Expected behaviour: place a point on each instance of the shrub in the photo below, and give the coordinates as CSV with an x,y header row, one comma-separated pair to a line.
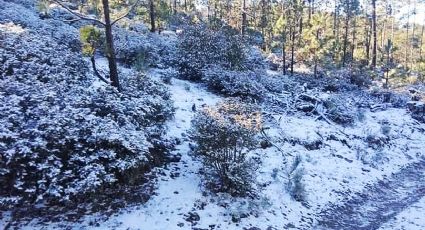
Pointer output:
x,y
133,48
339,110
26,16
200,47
59,137
245,84
224,135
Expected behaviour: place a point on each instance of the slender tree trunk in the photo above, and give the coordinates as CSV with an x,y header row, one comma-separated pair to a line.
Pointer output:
x,y
175,7
315,59
347,22
152,15
284,58
244,22
367,38
335,19
336,30
292,50
310,10
413,34
110,50
353,45
301,23
422,41
387,69
374,49
406,55
284,42
383,35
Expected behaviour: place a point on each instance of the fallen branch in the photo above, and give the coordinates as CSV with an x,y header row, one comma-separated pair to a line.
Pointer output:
x,y
273,144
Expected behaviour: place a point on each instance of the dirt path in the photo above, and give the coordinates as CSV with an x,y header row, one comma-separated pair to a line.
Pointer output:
x,y
378,203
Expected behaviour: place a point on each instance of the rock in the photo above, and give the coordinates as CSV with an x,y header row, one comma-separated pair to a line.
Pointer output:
x,y
380,107
417,110
253,228
192,217
305,107
236,218
265,144
174,157
314,145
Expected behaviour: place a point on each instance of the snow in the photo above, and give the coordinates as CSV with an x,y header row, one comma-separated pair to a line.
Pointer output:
x,y
337,161
410,219
333,172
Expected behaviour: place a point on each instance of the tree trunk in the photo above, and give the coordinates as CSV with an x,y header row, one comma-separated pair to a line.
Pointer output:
x,y
301,14
110,50
383,36
175,7
244,23
387,69
284,41
284,58
406,56
422,41
152,15
413,34
368,38
353,45
336,30
292,49
347,22
374,49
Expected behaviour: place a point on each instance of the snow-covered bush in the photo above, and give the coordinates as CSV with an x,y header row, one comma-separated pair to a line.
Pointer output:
x,y
62,135
133,48
200,47
28,18
245,84
340,111
167,74
254,59
224,134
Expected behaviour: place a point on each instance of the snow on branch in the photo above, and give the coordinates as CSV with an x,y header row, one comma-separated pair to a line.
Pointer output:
x,y
81,16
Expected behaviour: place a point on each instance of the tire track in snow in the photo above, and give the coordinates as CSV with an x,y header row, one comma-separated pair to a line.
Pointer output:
x,y
378,203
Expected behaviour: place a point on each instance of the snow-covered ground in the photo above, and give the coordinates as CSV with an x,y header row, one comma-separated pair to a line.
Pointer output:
x,y
341,164
412,218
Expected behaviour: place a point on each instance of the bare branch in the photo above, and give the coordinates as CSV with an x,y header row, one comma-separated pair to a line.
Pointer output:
x,y
84,17
71,20
96,72
126,13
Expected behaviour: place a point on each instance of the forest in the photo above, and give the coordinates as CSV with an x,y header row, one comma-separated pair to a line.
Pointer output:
x,y
212,114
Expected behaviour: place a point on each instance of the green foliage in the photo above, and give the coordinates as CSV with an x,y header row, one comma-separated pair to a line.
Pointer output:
x,y
91,38
163,13
43,6
317,45
224,135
